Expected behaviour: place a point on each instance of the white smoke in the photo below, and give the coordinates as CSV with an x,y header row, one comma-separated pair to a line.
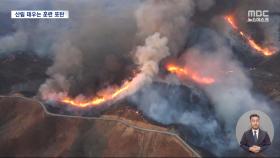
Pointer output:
x,y
57,86
170,18
148,58
47,92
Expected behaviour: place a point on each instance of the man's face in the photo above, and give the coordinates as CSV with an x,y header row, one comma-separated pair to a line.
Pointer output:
x,y
255,122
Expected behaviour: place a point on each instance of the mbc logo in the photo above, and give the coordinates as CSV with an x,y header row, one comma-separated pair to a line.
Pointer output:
x,y
258,15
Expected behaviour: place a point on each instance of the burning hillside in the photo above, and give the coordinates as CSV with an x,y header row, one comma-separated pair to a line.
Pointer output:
x,y
181,63
111,94
188,73
266,51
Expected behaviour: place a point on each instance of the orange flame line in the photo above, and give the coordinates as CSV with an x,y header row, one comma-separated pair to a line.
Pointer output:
x,y
96,100
263,50
230,20
99,100
185,72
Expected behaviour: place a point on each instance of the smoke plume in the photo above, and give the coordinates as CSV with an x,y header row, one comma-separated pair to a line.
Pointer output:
x,y
101,45
169,18
230,96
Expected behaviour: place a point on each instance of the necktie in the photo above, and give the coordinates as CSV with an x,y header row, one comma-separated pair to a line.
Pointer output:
x,y
255,136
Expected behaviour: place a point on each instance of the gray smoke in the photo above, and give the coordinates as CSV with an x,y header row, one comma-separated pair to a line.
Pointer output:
x,y
230,96
169,104
14,42
93,34
95,49
28,35
147,58
170,18
98,57
264,33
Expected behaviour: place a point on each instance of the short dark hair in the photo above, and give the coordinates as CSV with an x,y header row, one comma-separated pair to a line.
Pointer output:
x,y
254,115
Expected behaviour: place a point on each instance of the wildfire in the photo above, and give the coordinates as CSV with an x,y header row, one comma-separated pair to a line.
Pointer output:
x,y
98,99
263,50
112,93
94,101
186,72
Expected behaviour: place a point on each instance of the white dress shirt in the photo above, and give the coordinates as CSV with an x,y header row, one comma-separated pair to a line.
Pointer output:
x,y
257,132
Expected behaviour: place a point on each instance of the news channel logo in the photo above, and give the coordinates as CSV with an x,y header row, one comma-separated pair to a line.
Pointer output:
x,y
39,14
258,16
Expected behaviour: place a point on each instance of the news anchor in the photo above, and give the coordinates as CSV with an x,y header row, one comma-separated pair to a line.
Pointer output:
x,y
255,140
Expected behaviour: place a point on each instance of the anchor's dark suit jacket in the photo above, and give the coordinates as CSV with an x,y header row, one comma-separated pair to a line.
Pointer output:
x,y
248,140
